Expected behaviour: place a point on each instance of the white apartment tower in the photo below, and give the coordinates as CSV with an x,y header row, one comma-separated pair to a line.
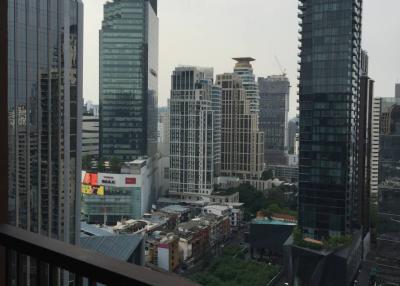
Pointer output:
x,y
242,144
195,107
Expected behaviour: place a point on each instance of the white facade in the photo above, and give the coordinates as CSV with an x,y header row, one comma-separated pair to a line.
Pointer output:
x,y
376,113
90,135
193,158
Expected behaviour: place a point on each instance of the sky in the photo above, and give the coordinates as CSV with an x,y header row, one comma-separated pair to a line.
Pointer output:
x,y
210,33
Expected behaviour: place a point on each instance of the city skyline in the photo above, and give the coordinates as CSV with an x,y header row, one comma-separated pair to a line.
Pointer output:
x,y
284,45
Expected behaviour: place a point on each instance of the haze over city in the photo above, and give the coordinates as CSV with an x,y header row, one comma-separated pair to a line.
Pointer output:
x,y
210,32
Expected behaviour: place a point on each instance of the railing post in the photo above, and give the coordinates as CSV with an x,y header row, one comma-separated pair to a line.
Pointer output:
x,y
3,132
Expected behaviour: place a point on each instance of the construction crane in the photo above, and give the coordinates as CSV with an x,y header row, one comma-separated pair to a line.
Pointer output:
x,y
283,71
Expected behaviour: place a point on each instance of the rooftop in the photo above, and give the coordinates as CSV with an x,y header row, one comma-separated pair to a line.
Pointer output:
x,y
175,209
272,221
116,246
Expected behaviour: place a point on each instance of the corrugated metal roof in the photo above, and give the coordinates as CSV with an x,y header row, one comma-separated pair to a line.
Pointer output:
x,y
117,246
93,230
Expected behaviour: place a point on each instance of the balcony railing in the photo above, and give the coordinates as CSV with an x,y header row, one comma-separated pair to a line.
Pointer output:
x,y
87,267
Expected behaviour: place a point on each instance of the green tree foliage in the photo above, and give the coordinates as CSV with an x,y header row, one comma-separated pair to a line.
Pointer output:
x,y
86,162
115,165
101,165
267,175
230,271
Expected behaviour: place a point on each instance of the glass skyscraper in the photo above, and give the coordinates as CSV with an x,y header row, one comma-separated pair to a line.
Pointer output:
x,y
274,108
329,102
44,95
44,116
128,79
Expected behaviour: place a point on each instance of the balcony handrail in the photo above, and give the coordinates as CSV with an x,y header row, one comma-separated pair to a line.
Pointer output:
x,y
85,263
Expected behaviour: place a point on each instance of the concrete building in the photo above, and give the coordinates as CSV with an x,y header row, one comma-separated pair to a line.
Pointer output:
x,y
194,123
274,109
286,173
128,79
397,90
90,135
376,115
242,151
162,250
244,69
235,214
108,197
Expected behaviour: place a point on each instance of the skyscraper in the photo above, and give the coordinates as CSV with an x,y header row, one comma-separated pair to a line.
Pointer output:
x,y
397,90
242,144
274,109
44,116
329,102
244,69
195,107
128,79
364,145
293,130
388,225
44,94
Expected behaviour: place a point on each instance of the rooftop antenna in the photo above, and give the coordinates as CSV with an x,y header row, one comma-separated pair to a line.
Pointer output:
x,y
283,71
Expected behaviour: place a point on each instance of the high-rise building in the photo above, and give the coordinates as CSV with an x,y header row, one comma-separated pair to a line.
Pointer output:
x,y
329,91
90,135
293,131
194,120
128,79
387,120
274,109
397,90
364,145
44,116
244,69
44,94
242,144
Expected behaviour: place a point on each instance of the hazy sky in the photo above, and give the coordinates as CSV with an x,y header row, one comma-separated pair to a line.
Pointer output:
x,y
211,32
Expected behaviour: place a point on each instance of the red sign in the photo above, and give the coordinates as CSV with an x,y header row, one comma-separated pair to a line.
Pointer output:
x,y
130,181
90,179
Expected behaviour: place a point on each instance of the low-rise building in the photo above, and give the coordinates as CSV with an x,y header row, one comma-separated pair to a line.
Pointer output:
x,y
233,211
162,250
110,197
183,213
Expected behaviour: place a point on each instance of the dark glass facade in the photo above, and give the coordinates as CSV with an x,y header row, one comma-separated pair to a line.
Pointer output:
x,y
274,109
44,118
388,225
128,79
44,95
329,102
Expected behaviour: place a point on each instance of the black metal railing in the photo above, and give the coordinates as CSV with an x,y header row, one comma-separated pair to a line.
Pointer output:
x,y
84,266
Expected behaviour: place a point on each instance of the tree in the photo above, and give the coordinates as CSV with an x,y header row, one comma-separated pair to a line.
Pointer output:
x,y
267,175
101,165
115,165
86,162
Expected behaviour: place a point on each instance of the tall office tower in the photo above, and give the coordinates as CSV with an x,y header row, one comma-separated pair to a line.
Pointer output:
x,y
376,114
293,130
364,145
44,89
329,90
274,109
193,120
44,116
242,144
128,79
388,225
397,90
244,69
